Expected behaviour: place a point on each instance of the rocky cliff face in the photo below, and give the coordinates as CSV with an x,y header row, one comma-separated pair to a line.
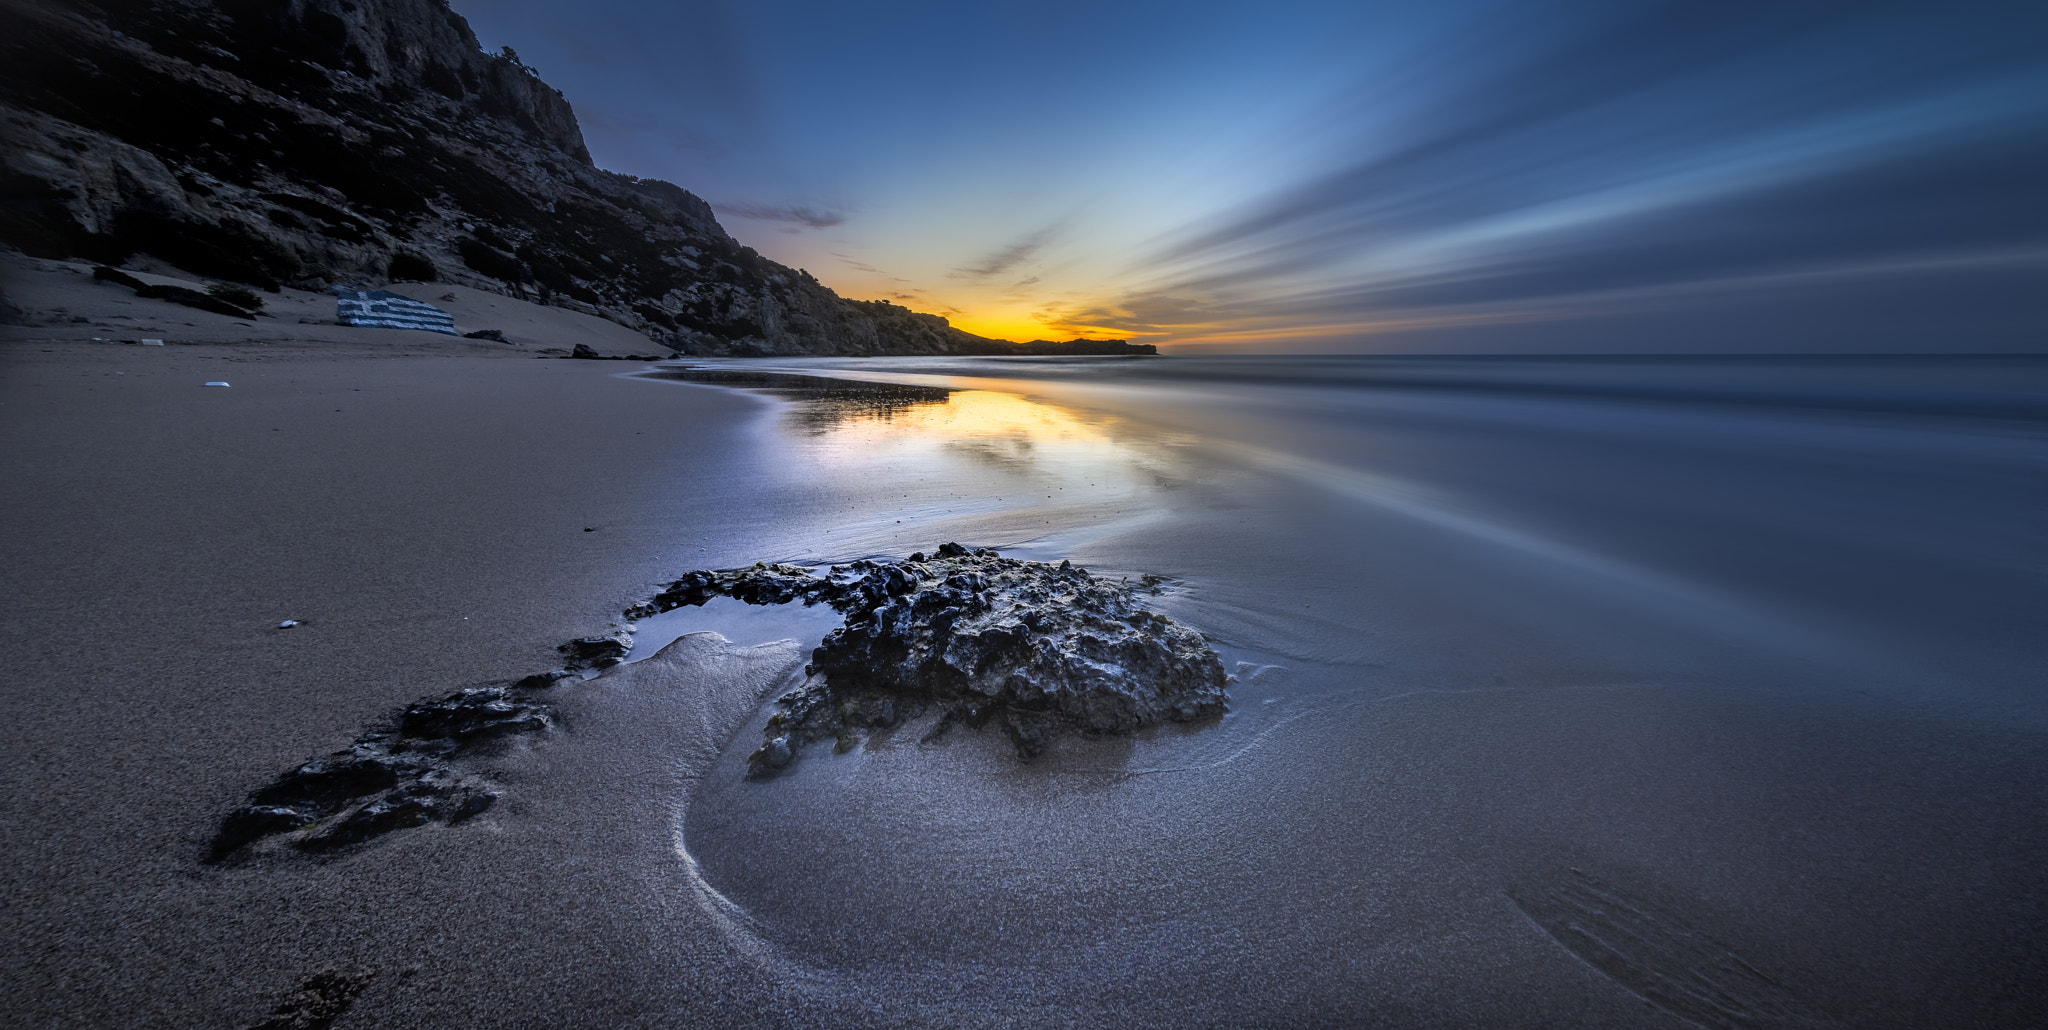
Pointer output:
x,y
315,142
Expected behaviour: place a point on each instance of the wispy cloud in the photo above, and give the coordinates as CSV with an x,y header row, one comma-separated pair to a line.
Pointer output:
x,y
1554,185
1008,257
801,215
861,266
1355,167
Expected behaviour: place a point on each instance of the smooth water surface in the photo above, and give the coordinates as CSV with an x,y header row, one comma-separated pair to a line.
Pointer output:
x,y
1566,687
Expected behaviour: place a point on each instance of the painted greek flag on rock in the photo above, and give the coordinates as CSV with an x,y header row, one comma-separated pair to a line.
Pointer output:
x,y
386,310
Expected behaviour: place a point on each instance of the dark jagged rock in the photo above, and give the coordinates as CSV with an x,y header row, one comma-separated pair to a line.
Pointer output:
x,y
584,353
542,680
356,142
318,1002
252,822
103,274
474,714
194,299
762,584
226,302
407,774
1039,649
595,652
494,335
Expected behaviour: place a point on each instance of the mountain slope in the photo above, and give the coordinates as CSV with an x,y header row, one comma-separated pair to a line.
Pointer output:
x,y
315,142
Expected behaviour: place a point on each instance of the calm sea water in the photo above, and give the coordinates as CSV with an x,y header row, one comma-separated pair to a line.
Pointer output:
x,y
1567,691
1868,510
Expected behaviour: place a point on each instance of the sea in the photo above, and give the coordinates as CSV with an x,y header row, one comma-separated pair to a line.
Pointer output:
x,y
1714,686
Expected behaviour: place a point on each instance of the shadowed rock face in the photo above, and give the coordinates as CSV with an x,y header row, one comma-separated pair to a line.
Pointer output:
x,y
356,141
1039,649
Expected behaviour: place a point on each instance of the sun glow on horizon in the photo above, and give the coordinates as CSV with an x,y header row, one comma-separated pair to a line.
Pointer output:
x,y
1008,322
1022,329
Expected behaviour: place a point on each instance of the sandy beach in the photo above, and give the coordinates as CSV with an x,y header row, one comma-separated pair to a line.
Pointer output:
x,y
436,513
1547,712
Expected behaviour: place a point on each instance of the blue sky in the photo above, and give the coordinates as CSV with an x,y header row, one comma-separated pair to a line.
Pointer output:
x,y
1445,176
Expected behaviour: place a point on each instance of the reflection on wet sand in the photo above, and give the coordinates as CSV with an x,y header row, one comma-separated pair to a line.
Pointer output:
x,y
998,428
1578,693
823,404
850,423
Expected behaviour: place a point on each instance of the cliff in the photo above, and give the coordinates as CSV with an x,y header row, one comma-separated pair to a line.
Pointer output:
x,y
321,142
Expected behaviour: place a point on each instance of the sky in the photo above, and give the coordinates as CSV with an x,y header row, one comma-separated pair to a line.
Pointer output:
x,y
1557,176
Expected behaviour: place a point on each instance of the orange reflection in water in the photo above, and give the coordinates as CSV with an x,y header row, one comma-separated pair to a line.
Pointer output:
x,y
978,420
981,464
1077,456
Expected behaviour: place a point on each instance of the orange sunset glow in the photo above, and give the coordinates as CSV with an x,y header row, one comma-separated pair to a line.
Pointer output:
x,y
1019,326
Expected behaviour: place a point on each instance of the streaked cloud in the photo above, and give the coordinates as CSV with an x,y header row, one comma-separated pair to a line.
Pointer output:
x,y
816,218
1805,174
1010,256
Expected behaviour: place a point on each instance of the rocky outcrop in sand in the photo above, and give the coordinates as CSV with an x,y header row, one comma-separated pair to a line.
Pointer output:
x,y
1036,648
314,142
407,773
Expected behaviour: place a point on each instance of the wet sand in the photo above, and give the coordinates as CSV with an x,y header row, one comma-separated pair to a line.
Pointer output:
x,y
1552,712
1517,740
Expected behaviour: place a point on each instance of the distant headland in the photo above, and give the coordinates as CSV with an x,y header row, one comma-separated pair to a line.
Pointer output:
x,y
357,142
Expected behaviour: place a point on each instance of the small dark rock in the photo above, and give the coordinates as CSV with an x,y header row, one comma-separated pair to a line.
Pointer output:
x,y
105,274
194,299
326,782
226,298
405,774
596,652
408,806
235,294
474,804
775,753
540,680
245,825
472,714
761,584
317,1003
584,352
495,335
